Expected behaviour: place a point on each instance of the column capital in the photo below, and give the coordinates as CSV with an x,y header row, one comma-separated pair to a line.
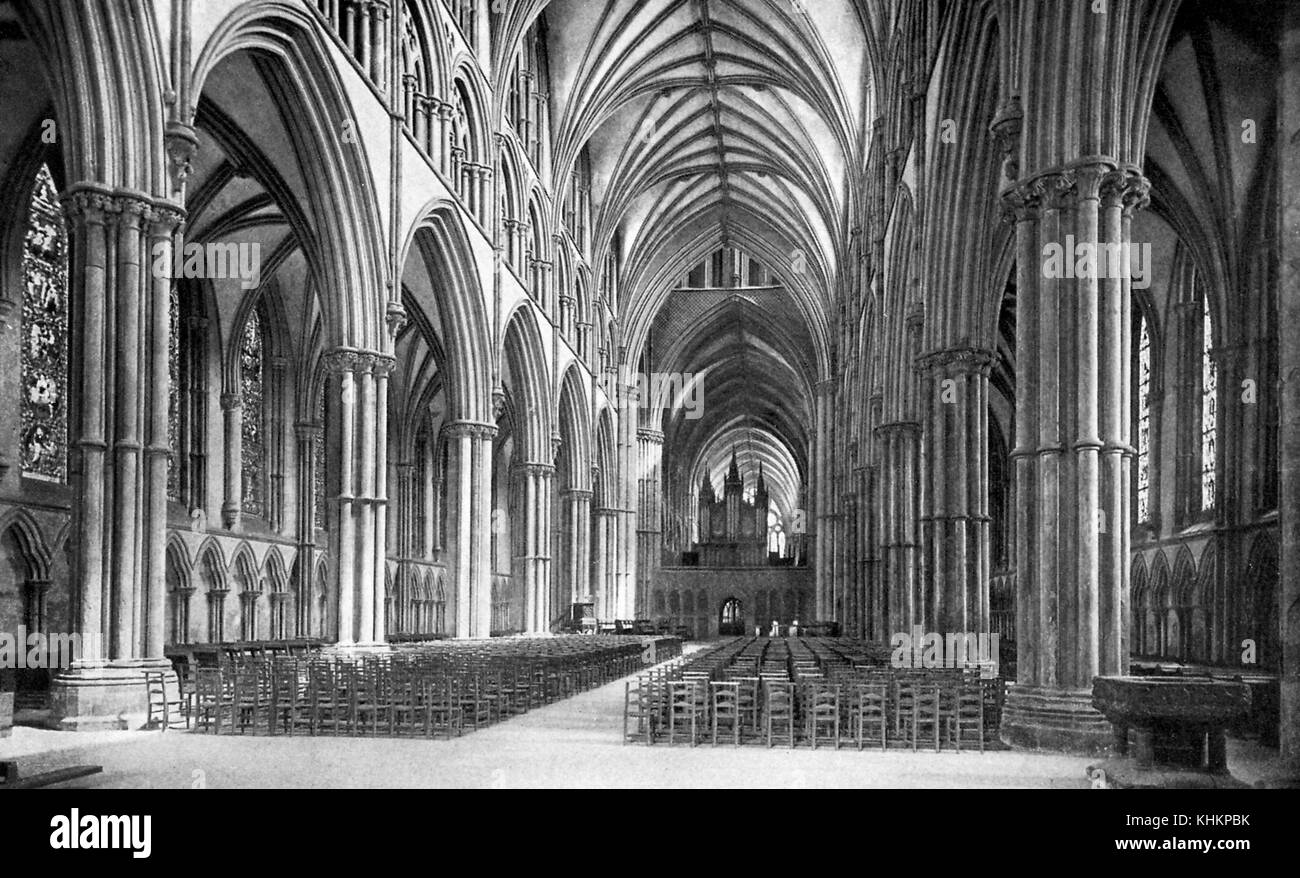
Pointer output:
x,y
650,435
472,429
231,401
94,201
962,360
308,431
342,360
579,494
164,218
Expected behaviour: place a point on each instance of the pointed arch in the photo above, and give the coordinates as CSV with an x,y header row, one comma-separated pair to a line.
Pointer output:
x,y
345,254
575,427
524,356
470,102
210,563
1260,602
244,569
27,536
277,575
439,237
604,484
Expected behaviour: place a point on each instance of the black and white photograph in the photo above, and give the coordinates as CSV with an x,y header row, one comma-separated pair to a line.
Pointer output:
x,y
649,395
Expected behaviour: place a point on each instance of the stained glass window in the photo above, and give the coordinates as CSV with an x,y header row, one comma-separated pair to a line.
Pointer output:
x,y
44,358
174,394
1144,421
1209,407
318,473
419,494
252,364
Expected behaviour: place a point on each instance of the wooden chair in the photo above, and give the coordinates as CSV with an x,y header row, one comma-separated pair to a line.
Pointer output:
x,y
688,703
967,715
751,706
726,709
252,698
640,704
778,709
327,696
165,709
870,710
927,703
444,706
214,699
288,705
408,713
823,709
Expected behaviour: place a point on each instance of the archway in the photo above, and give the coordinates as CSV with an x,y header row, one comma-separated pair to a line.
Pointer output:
x,y
731,618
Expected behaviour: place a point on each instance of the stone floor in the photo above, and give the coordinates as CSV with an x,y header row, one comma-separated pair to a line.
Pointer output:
x,y
574,743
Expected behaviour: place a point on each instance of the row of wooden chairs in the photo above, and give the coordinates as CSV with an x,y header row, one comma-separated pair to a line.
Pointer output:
x,y
409,692
813,713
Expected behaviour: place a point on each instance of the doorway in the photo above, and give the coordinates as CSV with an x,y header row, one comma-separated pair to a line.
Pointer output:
x,y
731,618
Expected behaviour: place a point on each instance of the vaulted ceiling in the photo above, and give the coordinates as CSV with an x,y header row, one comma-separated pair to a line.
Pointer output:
x,y
711,123
713,118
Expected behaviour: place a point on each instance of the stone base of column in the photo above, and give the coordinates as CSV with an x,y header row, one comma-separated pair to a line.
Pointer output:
x,y
107,697
1040,718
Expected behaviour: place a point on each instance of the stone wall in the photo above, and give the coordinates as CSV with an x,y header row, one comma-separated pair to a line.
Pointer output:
x,y
693,596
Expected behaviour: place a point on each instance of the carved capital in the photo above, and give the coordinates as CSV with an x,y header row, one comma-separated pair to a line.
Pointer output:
x,y
164,219
956,361
472,429
181,142
231,401
89,203
396,318
1022,202
1058,189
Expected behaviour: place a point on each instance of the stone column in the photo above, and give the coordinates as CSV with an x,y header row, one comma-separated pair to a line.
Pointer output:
x,y
121,446
956,412
578,506
306,434
1071,475
822,565
342,448
650,444
382,368
163,222
604,528
537,478
232,420
623,534
470,513
903,600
